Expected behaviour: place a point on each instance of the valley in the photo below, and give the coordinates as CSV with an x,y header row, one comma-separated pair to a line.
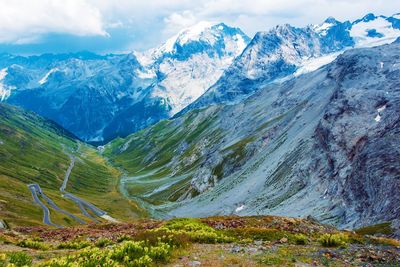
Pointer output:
x,y
33,153
211,149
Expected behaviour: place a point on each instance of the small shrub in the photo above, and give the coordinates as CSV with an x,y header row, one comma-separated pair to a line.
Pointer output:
x,y
333,240
123,238
382,228
74,245
385,241
3,260
20,259
103,242
33,244
300,239
265,234
128,253
152,238
195,230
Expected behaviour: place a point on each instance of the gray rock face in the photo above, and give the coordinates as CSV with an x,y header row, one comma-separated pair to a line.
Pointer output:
x,y
336,158
323,144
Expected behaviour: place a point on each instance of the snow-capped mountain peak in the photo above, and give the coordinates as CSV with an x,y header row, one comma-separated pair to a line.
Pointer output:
x,y
198,39
322,29
187,35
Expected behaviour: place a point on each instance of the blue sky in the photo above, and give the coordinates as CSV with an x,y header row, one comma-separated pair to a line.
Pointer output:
x,y
104,26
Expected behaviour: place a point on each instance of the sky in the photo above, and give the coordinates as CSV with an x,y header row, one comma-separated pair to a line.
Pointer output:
x,y
118,26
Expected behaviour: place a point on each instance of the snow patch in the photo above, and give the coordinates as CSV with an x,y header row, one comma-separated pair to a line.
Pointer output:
x,y
109,218
240,208
46,76
193,33
147,74
380,110
5,90
144,58
359,32
322,29
312,64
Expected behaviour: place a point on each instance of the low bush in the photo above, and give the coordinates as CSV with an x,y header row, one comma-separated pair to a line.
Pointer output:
x,y
300,239
123,238
33,244
195,230
266,234
74,245
334,240
103,242
128,253
176,240
19,259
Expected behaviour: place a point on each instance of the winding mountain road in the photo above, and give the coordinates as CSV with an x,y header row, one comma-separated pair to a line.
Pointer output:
x,y
83,205
35,189
68,173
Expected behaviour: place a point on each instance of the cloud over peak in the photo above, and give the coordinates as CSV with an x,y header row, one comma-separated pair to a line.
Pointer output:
x,y
25,21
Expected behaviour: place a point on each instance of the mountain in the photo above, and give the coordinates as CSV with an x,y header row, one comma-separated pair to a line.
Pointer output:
x,y
81,93
99,98
287,51
190,62
37,152
323,144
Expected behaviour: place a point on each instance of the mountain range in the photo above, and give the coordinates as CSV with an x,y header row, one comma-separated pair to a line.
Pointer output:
x,y
324,144
99,98
295,121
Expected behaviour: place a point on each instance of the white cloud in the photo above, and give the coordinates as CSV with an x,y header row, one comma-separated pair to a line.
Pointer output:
x,y
177,21
25,21
152,21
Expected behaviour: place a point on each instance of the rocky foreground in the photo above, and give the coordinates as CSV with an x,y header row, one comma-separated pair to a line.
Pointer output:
x,y
215,241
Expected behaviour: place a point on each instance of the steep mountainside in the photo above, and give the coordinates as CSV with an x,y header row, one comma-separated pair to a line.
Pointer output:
x,y
36,151
285,51
323,144
101,97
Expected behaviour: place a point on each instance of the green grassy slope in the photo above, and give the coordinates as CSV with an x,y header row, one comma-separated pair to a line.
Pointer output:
x,y
32,151
161,160
165,155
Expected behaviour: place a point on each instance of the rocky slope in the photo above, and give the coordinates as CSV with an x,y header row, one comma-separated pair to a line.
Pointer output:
x,y
322,144
286,51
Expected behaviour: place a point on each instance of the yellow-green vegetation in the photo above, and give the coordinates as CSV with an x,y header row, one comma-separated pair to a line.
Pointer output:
x,y
215,241
334,240
17,259
266,234
381,228
33,150
128,253
195,230
147,155
73,245
33,244
288,256
300,239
